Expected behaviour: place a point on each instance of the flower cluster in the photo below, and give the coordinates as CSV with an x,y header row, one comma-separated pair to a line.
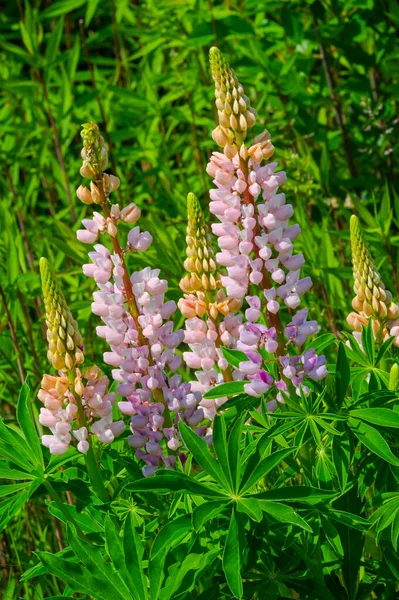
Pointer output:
x,y
70,405
63,409
256,244
142,342
372,300
211,320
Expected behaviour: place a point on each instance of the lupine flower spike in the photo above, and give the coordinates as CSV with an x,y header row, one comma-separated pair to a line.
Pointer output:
x,y
211,322
372,300
76,401
136,323
256,243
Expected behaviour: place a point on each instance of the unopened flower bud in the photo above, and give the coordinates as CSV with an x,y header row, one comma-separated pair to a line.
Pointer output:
x,y
84,195
95,194
130,214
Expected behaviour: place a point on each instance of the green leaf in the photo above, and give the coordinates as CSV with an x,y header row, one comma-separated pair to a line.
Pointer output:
x,y
382,417
373,440
342,375
251,507
100,569
299,493
62,7
234,357
169,535
25,421
133,551
219,439
206,511
92,6
53,43
234,451
251,478
232,559
283,513
368,341
115,551
225,390
384,349
341,456
78,578
332,536
201,453
168,481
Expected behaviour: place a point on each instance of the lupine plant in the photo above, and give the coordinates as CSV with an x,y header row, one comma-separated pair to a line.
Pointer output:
x,y
227,458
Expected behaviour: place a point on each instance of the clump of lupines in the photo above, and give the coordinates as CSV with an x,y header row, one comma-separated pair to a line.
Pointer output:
x,y
256,242
372,300
211,321
76,400
136,322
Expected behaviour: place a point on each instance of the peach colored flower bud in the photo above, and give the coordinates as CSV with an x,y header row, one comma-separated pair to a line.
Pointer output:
x,y
84,195
111,183
230,151
115,212
48,382
86,171
95,194
61,386
219,136
243,152
92,373
130,214
111,228
190,306
79,387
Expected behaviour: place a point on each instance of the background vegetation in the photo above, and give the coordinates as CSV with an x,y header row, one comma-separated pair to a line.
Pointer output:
x,y
324,78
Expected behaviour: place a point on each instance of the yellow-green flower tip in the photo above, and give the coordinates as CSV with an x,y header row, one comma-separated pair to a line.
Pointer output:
x,y
234,111
64,339
94,152
371,297
200,264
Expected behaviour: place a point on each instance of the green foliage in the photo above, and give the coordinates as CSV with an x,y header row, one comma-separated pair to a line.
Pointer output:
x,y
299,503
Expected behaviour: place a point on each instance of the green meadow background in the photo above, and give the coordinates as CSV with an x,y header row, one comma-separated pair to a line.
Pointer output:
x,y
324,78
